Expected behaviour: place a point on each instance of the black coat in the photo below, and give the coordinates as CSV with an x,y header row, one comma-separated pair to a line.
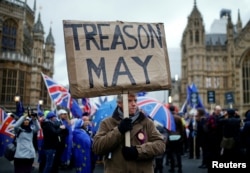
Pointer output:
x,y
245,137
51,133
230,127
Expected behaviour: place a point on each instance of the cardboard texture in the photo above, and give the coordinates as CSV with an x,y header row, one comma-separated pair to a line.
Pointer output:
x,y
107,58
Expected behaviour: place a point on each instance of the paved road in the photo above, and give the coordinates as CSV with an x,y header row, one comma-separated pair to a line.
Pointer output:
x,y
189,166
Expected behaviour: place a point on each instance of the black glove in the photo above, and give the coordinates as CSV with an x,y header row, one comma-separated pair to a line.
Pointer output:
x,y
125,125
130,153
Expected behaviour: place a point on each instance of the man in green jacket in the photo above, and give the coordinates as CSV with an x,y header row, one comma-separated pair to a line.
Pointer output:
x,y
146,141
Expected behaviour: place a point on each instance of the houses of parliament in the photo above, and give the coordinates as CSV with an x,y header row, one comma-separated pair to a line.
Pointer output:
x,y
217,62
25,52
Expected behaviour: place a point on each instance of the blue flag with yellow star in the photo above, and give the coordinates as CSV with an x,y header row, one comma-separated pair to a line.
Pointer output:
x,y
66,155
81,148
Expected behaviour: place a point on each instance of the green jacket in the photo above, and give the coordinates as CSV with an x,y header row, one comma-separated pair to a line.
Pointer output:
x,y
109,140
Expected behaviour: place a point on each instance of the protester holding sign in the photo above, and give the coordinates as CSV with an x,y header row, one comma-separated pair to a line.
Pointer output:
x,y
146,141
116,57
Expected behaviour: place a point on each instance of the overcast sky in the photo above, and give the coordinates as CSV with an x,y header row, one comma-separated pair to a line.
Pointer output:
x,y
173,13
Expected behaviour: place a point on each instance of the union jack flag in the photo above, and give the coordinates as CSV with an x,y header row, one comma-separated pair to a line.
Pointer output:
x,y
61,96
157,111
86,106
58,94
6,130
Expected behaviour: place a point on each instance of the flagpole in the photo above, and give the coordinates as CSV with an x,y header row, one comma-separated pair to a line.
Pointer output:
x,y
196,101
125,113
52,102
194,138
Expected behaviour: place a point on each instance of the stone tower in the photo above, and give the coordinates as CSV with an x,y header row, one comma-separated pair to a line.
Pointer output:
x,y
218,60
24,54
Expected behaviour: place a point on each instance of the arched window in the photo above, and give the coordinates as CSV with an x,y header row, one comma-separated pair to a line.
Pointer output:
x,y
9,85
191,36
9,35
197,38
246,78
196,22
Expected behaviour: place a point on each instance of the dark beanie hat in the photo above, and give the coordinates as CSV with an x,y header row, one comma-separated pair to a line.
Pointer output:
x,y
172,108
50,115
231,112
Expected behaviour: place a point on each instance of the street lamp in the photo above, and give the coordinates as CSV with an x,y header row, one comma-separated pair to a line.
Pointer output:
x,y
39,107
40,102
17,98
169,99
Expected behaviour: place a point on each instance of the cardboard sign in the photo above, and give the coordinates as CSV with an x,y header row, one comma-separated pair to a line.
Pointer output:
x,y
107,58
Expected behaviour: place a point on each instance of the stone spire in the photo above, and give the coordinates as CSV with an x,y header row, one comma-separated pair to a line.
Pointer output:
x,y
195,28
34,7
239,23
50,38
38,27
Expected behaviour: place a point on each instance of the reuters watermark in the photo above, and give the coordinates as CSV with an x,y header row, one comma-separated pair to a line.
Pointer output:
x,y
217,164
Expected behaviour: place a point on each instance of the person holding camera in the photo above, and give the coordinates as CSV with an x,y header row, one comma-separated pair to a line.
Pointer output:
x,y
25,128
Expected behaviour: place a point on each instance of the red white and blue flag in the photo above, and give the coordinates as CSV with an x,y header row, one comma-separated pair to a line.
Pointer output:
x,y
86,106
58,94
6,130
157,111
61,96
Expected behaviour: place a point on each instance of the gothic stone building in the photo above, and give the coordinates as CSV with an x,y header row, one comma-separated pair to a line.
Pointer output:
x,y
217,61
24,54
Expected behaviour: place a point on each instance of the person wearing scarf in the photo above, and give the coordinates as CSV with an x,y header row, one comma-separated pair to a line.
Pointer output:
x,y
25,154
146,141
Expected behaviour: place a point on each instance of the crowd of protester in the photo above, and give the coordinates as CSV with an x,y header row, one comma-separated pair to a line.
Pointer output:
x,y
67,142
222,136
55,140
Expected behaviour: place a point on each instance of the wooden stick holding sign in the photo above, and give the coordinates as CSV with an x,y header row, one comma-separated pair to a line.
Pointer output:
x,y
126,115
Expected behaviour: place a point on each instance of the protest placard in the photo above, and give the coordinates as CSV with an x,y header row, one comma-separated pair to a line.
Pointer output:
x,y
106,58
